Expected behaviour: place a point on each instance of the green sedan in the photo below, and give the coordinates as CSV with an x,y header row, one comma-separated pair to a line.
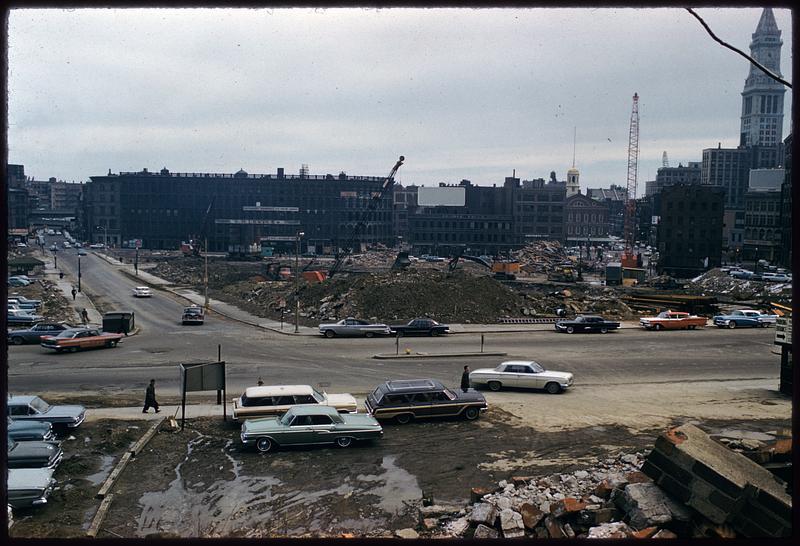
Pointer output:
x,y
307,425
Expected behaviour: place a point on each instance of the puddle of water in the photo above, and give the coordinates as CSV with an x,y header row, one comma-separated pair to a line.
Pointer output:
x,y
106,462
399,486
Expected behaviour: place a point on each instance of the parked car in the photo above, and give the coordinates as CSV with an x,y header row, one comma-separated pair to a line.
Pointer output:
x,y
142,292
741,274
354,327
776,277
278,399
17,281
763,317
97,245
28,487
192,315
31,454
33,408
521,373
306,425
21,317
421,326
22,299
35,332
73,339
66,244
409,399
672,320
22,431
586,323
740,319
82,252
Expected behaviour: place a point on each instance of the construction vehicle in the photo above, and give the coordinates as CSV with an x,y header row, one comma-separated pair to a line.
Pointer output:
x,y
628,258
562,273
503,269
345,251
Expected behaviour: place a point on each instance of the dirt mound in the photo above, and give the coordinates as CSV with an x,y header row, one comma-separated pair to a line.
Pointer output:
x,y
719,282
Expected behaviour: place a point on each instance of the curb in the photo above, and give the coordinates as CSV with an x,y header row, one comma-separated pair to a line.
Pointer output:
x,y
385,356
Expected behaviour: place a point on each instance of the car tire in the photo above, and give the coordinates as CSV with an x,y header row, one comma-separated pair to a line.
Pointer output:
x,y
763,324
73,349
552,388
111,344
264,445
59,350
368,334
603,330
403,418
570,330
16,340
471,413
658,327
344,441
433,333
732,324
494,385
330,334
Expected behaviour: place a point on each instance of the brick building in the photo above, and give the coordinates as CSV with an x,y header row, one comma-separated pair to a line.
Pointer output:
x,y
584,218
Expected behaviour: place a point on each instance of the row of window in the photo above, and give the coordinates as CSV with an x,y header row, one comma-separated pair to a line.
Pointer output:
x,y
766,206
586,230
761,220
455,224
577,217
461,237
762,234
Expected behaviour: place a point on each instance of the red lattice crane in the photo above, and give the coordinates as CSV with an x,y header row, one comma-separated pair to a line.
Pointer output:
x,y
628,257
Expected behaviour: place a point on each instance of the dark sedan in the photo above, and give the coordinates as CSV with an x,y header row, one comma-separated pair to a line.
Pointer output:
x,y
33,454
586,323
421,327
34,334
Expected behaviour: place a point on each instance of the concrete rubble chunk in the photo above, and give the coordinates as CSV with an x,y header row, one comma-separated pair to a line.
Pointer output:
x,y
554,528
616,529
430,523
531,515
581,474
567,506
458,526
645,504
438,510
408,533
483,513
511,524
482,531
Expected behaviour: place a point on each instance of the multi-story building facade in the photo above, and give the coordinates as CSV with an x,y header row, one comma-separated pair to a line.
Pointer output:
x,y
785,249
614,198
668,176
584,218
236,211
690,229
762,232
17,196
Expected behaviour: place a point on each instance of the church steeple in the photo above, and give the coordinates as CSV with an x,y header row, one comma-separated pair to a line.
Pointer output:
x,y
762,97
573,185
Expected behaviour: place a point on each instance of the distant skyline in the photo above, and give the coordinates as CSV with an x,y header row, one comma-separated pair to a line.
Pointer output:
x,y
462,93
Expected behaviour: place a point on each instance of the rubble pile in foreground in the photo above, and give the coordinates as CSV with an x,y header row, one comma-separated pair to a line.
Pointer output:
x,y
687,486
719,282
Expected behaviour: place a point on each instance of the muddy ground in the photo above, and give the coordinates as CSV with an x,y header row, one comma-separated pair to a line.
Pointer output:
x,y
201,483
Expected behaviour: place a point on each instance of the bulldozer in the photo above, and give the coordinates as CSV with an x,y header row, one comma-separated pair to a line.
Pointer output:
x,y
562,273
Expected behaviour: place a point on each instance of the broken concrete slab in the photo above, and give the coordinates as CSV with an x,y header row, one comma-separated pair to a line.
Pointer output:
x,y
482,531
407,533
645,504
531,515
511,523
483,513
616,529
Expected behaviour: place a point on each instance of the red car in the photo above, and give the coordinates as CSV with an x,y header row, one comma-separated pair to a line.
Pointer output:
x,y
73,339
672,320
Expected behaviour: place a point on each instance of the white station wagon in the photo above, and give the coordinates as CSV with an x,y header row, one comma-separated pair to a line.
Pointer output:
x,y
521,373
278,399
142,292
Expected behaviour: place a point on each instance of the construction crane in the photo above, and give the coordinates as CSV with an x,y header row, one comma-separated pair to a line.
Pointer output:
x,y
362,223
628,258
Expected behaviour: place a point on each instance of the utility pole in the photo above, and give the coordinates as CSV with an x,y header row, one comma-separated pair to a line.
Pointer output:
x,y
205,273
297,282
79,273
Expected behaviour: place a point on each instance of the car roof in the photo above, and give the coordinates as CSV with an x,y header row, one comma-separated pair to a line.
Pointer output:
x,y
21,398
277,390
404,385
519,362
142,288
313,409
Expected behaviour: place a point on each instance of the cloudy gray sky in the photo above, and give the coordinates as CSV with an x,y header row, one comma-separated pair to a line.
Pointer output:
x,y
462,93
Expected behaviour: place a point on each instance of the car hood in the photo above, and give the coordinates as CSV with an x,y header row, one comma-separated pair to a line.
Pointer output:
x,y
33,450
339,400
29,426
64,412
470,395
29,478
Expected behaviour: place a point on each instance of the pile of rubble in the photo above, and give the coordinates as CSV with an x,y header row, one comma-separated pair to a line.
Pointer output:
x,y
55,306
541,256
718,282
688,486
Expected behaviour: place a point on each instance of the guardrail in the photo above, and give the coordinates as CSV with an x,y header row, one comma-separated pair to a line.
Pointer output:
x,y
544,320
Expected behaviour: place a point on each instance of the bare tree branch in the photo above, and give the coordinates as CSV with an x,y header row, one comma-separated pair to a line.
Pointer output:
x,y
745,55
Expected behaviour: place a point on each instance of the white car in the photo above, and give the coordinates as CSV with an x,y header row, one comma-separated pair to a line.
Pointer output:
x,y
142,292
97,245
521,373
264,401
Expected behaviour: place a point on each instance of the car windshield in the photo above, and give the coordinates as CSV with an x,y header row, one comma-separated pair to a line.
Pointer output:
x,y
317,395
450,394
68,334
537,368
39,405
287,418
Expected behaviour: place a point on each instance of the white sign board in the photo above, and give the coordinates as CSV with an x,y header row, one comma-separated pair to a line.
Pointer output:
x,y
441,197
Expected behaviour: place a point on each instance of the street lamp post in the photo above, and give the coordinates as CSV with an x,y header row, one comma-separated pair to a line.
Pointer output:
x,y
79,272
297,282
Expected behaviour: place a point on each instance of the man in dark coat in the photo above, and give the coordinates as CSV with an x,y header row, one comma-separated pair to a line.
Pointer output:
x,y
74,293
465,379
150,397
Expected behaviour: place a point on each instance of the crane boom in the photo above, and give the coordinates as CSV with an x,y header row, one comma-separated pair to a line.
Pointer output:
x,y
628,259
362,223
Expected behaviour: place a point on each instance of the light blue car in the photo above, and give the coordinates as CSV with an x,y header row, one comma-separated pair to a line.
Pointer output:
x,y
740,319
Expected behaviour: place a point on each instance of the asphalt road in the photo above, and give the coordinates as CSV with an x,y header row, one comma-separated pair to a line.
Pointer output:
x,y
618,358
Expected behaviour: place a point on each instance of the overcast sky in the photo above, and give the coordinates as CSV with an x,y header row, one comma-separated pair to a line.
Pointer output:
x,y
462,93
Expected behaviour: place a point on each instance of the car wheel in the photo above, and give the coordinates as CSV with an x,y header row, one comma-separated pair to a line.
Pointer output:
x,y
603,330
344,441
763,324
732,324
330,333
111,344
471,413
403,418
263,444
16,340
433,333
494,386
73,349
658,327
368,334
570,330
552,388
59,350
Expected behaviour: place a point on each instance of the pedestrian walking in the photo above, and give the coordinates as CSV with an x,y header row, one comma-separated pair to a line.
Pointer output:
x,y
150,397
74,293
260,382
60,274
465,379
85,316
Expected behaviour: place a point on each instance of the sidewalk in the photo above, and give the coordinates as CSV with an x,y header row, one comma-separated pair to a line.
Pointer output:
x,y
135,413
81,300
233,312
